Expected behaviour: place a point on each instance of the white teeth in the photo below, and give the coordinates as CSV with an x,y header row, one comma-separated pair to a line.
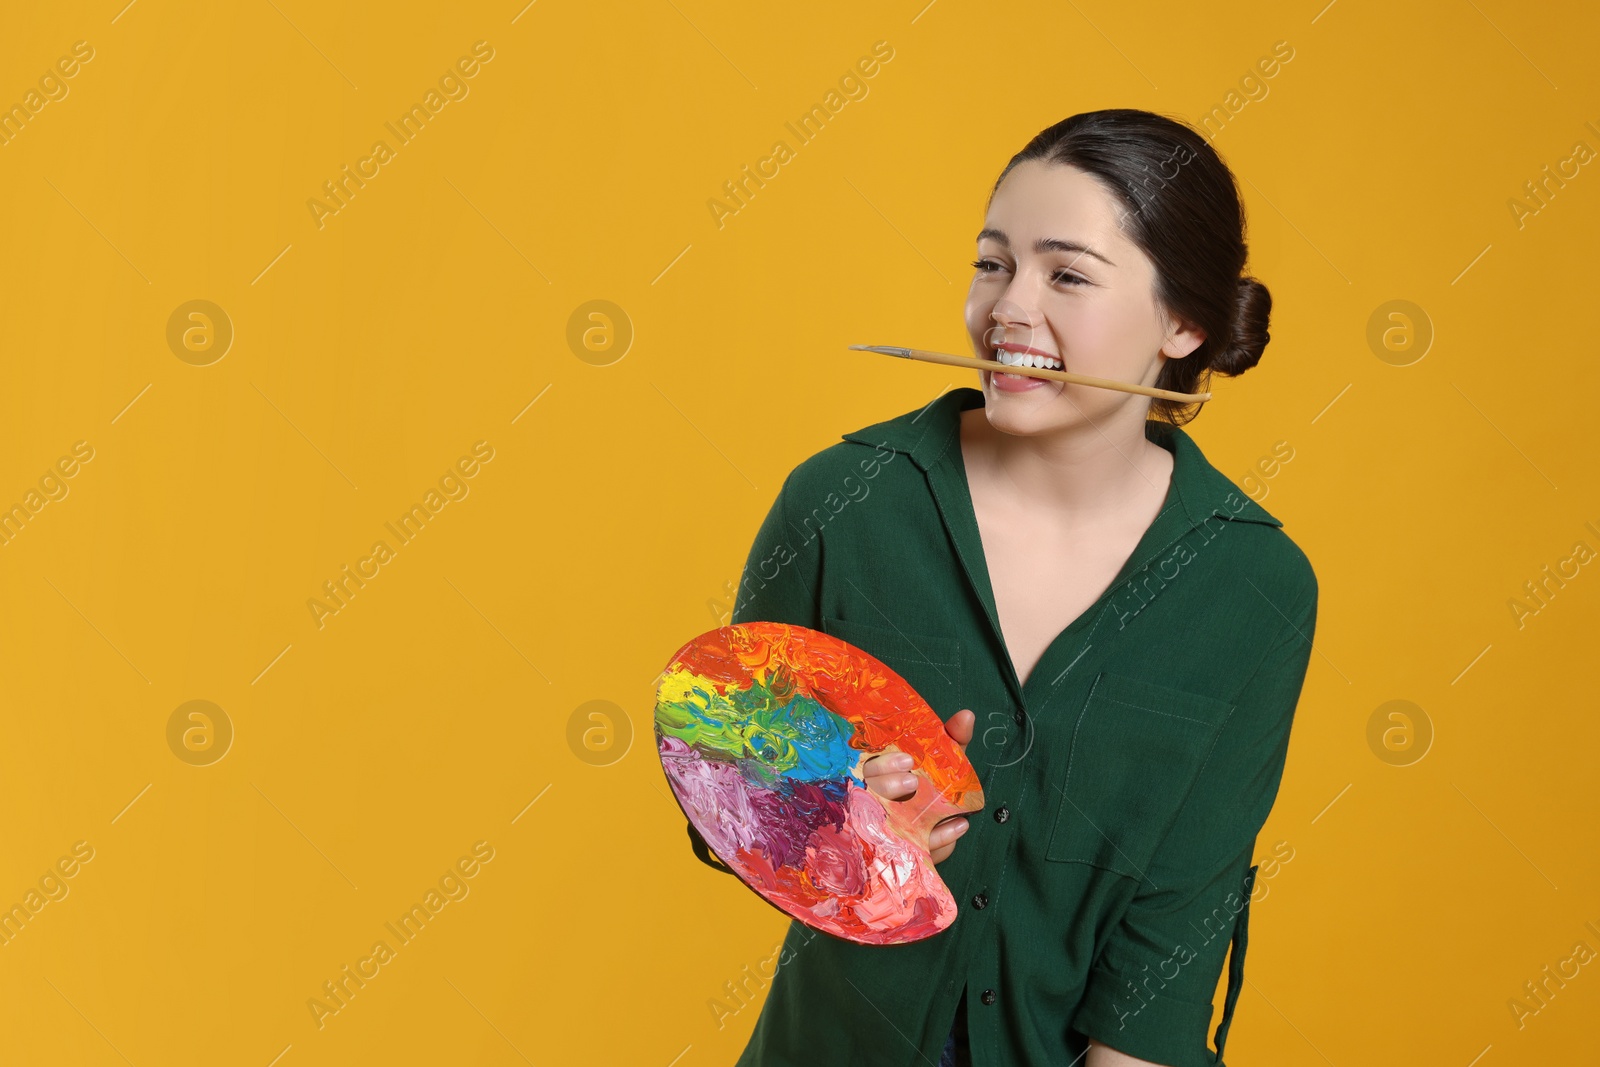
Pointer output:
x,y
1024,359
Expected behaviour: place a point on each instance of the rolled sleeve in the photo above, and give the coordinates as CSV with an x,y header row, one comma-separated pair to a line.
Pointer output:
x,y
778,584
1149,992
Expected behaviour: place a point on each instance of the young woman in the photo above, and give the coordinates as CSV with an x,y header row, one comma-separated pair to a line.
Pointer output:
x,y
1113,629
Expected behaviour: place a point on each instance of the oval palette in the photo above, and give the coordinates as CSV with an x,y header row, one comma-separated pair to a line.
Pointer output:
x,y
762,728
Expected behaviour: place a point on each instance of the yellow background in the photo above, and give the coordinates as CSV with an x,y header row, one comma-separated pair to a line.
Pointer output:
x,y
372,352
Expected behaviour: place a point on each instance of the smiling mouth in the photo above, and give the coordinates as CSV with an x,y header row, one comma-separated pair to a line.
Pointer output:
x,y
999,348
1007,358
1025,359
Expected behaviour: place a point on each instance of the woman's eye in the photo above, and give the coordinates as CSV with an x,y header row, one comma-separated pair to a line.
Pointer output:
x,y
989,266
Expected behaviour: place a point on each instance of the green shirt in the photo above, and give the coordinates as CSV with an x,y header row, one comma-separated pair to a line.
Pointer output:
x,y
1125,783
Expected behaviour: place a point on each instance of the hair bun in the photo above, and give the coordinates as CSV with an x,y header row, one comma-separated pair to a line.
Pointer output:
x,y
1250,335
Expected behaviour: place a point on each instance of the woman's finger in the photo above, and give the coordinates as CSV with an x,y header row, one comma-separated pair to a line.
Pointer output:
x,y
888,775
893,786
942,840
960,727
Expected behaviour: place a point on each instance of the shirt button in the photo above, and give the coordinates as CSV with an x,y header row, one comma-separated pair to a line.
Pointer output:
x,y
980,901
988,996
1018,716
1002,814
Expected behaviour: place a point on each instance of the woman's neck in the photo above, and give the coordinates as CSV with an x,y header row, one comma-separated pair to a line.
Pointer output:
x,y
1082,476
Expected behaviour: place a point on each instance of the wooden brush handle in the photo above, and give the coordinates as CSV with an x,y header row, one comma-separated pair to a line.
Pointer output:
x,y
1037,371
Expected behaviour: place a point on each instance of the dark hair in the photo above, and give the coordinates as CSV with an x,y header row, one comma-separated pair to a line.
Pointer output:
x,y
1180,206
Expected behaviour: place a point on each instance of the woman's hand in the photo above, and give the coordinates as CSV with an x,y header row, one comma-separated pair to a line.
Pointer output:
x,y
889,776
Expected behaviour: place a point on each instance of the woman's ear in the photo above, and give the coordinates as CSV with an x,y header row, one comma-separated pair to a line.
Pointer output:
x,y
1182,339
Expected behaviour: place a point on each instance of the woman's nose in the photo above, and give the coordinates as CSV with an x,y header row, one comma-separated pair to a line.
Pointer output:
x,y
1011,318
1016,306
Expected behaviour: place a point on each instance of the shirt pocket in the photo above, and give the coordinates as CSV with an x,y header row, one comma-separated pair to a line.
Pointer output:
x,y
1136,754
930,662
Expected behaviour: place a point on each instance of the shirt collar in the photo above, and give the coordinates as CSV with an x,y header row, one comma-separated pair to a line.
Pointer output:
x,y
930,436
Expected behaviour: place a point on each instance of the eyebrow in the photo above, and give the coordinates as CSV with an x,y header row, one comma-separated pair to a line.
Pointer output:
x,y
1048,244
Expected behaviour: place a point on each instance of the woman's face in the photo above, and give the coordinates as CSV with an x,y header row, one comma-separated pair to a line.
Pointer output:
x,y
1058,276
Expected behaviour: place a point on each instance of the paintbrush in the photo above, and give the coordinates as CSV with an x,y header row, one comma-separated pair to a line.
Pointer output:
x,y
973,363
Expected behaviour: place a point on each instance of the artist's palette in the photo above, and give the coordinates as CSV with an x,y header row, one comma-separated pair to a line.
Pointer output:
x,y
763,728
